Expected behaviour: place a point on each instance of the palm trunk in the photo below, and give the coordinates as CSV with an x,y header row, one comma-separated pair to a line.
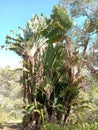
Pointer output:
x,y
68,100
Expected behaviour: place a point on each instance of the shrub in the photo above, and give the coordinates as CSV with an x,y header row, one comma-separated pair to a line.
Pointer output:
x,y
85,126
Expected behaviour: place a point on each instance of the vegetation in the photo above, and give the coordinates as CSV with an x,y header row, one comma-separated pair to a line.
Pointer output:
x,y
60,67
86,126
10,96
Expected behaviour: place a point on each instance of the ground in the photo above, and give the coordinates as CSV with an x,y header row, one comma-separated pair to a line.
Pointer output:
x,y
17,126
10,126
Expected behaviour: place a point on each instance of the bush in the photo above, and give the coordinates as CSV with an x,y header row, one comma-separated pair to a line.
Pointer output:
x,y
3,116
52,127
85,126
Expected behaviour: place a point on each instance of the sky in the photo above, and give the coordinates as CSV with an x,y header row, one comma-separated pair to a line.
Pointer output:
x,y
14,13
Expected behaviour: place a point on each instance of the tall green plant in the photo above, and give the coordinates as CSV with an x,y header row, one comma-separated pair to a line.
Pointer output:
x,y
51,67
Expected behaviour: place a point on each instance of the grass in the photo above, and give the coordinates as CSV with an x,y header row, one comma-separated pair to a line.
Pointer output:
x,y
85,126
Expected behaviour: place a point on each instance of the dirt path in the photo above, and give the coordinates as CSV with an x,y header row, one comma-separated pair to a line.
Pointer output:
x,y
17,126
10,126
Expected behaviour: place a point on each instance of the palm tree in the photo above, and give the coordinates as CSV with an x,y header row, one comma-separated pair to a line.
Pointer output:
x,y
51,67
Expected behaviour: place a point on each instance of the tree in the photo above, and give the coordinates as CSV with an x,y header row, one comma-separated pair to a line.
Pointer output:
x,y
85,31
10,95
85,34
52,66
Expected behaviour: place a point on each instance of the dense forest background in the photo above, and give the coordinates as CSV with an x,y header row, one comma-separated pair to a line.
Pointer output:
x,y
58,80
10,95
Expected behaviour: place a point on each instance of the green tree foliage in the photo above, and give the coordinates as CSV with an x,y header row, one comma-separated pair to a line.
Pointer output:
x,y
10,95
54,65
49,78
85,30
85,33
58,24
